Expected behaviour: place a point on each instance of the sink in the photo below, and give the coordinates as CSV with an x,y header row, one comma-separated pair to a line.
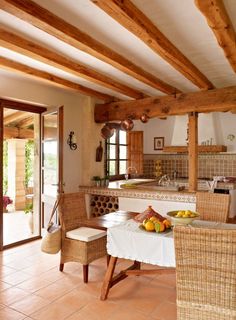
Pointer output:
x,y
139,180
154,186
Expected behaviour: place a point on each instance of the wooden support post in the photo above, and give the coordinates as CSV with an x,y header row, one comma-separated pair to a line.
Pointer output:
x,y
193,150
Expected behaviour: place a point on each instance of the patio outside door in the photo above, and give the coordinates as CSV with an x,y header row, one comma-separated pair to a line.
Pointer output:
x,y
52,139
20,183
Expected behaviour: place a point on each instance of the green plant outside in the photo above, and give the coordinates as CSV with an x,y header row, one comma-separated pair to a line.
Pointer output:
x,y
28,208
5,167
29,161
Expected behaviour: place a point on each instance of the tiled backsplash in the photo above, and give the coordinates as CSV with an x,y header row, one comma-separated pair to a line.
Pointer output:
x,y
209,165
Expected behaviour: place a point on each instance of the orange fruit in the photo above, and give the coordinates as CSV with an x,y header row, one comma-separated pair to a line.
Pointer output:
x,y
167,224
154,219
149,226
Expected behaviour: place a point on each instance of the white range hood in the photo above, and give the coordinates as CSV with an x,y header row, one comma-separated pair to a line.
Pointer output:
x,y
209,129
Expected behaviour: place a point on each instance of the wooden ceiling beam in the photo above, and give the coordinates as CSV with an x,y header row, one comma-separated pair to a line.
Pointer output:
x,y
13,65
223,99
17,133
220,23
45,20
25,123
136,22
16,116
33,50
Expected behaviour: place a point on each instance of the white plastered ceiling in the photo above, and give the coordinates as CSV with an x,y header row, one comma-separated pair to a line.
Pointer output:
x,y
180,21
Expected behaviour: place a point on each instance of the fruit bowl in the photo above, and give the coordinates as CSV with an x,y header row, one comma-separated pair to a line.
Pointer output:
x,y
182,217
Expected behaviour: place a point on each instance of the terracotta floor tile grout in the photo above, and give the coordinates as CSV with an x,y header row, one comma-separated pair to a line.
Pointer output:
x,y
55,294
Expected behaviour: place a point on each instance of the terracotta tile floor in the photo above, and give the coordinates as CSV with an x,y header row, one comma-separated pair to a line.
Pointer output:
x,y
31,287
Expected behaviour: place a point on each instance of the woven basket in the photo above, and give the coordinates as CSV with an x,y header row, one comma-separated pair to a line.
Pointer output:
x,y
51,242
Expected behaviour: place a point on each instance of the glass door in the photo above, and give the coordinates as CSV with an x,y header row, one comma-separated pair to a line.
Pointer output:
x,y
52,138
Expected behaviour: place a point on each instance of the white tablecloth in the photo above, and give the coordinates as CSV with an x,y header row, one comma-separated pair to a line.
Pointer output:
x,y
128,241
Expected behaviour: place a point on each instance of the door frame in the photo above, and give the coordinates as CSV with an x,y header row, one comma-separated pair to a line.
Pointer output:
x,y
21,106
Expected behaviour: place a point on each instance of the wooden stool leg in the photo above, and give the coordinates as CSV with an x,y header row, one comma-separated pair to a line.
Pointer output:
x,y
61,267
85,273
108,278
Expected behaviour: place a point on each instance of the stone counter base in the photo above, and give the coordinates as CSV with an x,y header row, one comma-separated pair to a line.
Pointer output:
x,y
182,196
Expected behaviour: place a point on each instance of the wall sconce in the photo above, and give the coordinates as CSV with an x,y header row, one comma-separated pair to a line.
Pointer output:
x,y
71,141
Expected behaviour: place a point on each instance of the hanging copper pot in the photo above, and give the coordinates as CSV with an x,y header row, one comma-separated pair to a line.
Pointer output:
x,y
127,125
144,118
107,131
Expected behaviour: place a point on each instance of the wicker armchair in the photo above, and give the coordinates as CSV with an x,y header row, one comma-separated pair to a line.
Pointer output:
x,y
213,206
77,246
205,273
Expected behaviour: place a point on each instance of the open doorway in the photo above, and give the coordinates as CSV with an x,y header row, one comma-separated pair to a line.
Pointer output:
x,y
21,176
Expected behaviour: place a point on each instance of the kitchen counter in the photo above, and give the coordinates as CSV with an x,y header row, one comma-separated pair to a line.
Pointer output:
x,y
142,195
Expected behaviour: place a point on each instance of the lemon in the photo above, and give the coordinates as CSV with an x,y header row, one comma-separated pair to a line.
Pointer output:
x,y
149,226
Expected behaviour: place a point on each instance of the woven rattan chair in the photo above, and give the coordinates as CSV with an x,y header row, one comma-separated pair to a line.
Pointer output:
x,y
213,206
72,210
205,273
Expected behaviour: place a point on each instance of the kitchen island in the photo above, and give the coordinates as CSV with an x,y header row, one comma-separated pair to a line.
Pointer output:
x,y
139,195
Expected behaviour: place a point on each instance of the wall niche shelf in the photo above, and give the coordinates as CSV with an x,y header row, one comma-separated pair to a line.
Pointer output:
x,y
201,149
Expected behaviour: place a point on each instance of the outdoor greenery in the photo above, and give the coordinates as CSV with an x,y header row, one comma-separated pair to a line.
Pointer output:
x,y
5,167
29,164
29,161
28,207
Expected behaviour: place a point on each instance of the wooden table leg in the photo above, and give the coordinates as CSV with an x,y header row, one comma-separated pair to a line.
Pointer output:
x,y
108,278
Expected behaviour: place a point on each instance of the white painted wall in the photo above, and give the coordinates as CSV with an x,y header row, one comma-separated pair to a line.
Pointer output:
x,y
155,128
216,126
79,165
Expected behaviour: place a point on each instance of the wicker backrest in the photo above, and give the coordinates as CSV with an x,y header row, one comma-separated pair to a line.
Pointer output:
x,y
205,273
213,206
72,209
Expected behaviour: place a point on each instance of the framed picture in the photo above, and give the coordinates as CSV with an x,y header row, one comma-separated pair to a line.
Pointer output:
x,y
158,143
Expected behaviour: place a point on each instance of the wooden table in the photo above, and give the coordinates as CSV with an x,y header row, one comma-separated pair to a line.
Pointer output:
x,y
110,220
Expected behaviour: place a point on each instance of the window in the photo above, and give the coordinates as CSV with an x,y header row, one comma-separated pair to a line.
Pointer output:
x,y
116,154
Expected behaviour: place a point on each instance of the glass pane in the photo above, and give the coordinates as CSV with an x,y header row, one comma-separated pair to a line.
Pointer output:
x,y
50,181
50,126
111,151
122,137
50,165
123,152
50,154
113,138
112,168
123,165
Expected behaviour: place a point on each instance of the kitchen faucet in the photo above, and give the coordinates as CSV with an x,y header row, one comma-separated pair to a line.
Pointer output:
x,y
130,170
164,180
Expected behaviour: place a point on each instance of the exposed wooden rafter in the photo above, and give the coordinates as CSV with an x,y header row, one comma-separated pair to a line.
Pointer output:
x,y
223,99
57,27
16,116
10,64
136,22
220,23
13,132
33,50
25,123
